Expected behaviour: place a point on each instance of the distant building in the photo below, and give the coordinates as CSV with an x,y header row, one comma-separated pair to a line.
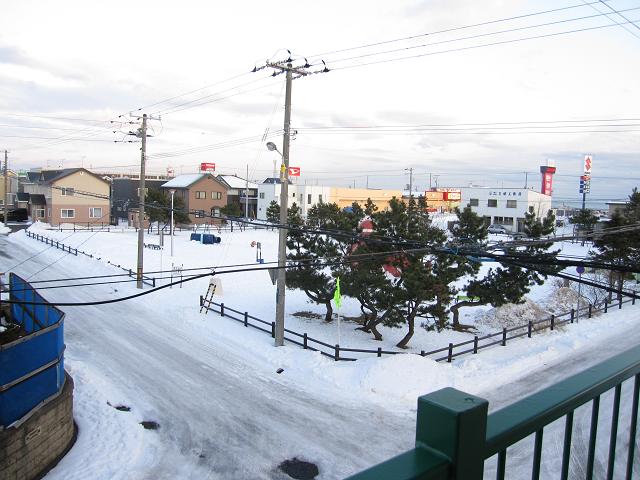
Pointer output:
x,y
202,193
236,189
442,199
70,195
615,207
306,196
12,188
505,206
125,195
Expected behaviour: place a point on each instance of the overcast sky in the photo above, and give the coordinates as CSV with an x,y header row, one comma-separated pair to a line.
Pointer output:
x,y
88,62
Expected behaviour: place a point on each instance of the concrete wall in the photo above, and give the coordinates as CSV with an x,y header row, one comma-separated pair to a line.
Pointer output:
x,y
31,449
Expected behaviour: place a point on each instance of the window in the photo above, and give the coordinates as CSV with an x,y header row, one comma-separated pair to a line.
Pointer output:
x,y
512,204
262,195
68,213
215,195
309,199
39,212
1,201
95,212
67,192
202,195
473,202
492,202
199,213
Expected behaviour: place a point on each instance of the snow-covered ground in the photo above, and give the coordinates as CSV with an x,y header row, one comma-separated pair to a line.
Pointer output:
x,y
212,384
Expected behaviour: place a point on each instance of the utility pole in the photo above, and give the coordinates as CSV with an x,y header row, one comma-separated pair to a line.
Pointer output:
x,y
410,170
6,187
246,195
289,70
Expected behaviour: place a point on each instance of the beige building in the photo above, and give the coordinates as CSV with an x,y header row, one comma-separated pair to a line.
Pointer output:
x,y
344,197
71,195
203,195
12,188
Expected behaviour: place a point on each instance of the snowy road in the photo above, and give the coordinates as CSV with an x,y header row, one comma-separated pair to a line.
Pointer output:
x,y
218,416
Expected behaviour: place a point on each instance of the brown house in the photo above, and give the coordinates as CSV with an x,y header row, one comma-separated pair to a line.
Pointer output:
x,y
70,195
203,196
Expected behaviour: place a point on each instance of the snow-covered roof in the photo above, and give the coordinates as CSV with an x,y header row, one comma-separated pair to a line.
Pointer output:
x,y
236,182
183,181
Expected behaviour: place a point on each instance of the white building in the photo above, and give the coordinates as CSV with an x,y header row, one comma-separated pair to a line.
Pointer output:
x,y
505,206
305,196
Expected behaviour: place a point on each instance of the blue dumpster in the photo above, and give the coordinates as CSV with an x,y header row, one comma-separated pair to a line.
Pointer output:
x,y
208,239
196,236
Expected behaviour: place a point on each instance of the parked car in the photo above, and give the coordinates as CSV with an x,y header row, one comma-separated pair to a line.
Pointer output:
x,y
495,228
17,215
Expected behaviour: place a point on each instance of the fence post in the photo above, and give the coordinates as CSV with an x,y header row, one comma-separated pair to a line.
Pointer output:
x,y
606,305
336,354
620,302
475,344
421,352
633,300
573,314
380,352
529,328
154,282
553,321
304,341
201,301
454,424
590,311
246,319
222,309
504,336
450,354
273,329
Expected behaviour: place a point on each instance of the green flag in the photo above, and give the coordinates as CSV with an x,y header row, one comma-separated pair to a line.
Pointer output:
x,y
337,298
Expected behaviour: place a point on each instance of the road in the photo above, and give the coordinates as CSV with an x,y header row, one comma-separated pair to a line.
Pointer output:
x,y
222,418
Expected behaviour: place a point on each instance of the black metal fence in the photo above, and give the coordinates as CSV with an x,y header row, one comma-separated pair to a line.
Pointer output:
x,y
448,353
150,281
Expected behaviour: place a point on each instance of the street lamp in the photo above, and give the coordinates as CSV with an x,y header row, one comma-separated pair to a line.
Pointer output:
x,y
282,241
173,192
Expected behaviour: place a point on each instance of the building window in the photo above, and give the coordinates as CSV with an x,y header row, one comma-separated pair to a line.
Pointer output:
x,y
215,196
492,202
309,199
68,213
320,198
512,204
202,195
199,213
1,201
95,212
67,192
262,195
474,202
39,212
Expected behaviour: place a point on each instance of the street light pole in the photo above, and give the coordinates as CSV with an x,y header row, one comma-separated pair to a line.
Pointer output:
x,y
173,192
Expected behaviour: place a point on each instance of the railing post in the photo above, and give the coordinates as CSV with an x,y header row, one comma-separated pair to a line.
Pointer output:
x,y
201,301
454,424
590,311
246,319
529,328
273,329
475,344
606,305
573,314
305,341
154,282
620,302
421,352
553,321
222,309
336,352
450,354
504,336
633,300
380,352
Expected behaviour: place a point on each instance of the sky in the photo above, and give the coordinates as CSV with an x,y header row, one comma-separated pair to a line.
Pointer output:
x,y
455,101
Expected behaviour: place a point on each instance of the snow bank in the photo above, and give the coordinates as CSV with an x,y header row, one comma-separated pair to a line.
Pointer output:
x,y
4,229
511,315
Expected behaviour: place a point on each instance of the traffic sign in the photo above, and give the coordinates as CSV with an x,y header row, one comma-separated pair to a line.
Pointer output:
x,y
580,269
294,171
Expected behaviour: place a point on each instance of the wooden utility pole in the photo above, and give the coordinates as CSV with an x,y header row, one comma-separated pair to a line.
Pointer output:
x,y
143,149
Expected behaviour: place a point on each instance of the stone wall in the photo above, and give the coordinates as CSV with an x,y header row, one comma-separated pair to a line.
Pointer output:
x,y
30,450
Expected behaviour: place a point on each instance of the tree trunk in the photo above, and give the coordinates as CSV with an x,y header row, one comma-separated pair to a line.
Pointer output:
x,y
329,315
455,309
411,321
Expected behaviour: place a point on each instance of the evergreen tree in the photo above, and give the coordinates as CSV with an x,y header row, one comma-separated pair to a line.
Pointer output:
x,y
273,212
585,220
158,208
232,210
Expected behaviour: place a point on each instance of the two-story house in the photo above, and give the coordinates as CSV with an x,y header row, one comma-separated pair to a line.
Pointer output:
x,y
203,195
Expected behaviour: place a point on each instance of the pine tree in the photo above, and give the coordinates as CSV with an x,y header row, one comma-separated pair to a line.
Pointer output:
x,y
273,212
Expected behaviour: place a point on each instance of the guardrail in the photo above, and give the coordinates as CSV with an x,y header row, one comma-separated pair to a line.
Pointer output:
x,y
451,351
454,434
33,364
150,281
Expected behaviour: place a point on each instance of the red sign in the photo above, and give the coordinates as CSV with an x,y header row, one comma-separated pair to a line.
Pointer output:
x,y
207,167
452,196
587,164
294,171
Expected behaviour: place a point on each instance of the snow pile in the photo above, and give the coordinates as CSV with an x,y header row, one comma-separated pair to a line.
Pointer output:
x,y
563,300
511,315
441,220
3,229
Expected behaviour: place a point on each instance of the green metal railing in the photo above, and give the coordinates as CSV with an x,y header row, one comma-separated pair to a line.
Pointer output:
x,y
455,435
